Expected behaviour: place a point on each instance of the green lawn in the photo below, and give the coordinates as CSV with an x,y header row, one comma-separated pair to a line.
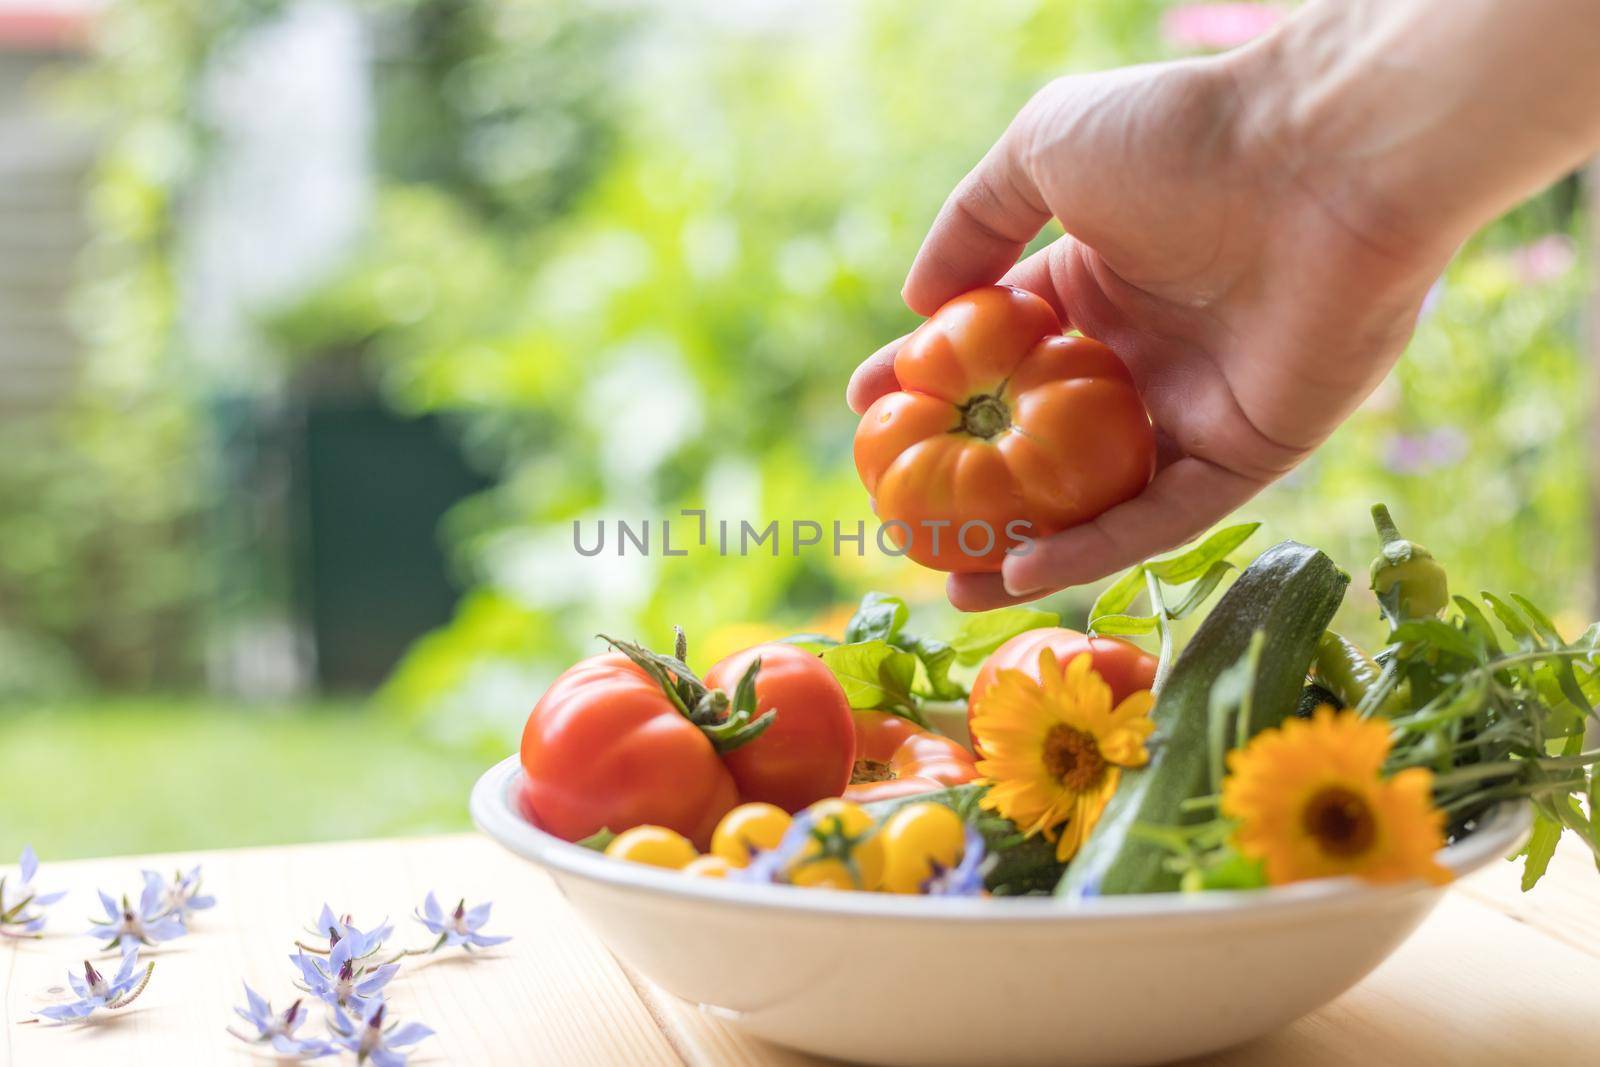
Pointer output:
x,y
123,776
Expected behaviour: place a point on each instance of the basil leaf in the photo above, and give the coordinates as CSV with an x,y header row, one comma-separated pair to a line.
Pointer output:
x,y
1118,596
937,658
1124,625
1187,566
879,618
982,634
813,643
876,676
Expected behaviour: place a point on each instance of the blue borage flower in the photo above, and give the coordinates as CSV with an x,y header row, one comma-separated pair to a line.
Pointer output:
x,y
333,930
19,901
965,879
341,980
182,896
767,866
97,991
147,924
370,1039
459,928
278,1030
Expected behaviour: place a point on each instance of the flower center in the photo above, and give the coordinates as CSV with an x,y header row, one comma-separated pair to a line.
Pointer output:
x,y
1340,821
1073,759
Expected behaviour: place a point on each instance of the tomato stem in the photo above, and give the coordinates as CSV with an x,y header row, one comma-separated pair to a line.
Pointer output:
x,y
985,416
727,722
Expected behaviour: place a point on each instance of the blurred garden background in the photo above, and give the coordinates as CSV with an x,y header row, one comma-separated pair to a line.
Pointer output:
x,y
321,321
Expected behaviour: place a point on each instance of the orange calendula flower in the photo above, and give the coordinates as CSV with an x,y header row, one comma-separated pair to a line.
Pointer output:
x,y
1054,749
1311,803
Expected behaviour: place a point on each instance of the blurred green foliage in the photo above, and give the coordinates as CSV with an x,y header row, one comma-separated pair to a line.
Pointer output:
x,y
632,252
268,775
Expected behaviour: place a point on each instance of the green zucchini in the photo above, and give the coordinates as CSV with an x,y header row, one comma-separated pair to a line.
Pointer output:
x,y
1021,864
1289,593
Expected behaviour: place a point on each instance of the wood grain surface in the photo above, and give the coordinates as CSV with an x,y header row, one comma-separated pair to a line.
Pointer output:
x,y
1494,977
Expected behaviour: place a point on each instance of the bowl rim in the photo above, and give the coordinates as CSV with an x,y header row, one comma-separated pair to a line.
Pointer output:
x,y
494,811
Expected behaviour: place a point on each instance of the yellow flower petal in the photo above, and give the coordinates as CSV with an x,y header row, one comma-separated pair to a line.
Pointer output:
x,y
1310,803
1052,747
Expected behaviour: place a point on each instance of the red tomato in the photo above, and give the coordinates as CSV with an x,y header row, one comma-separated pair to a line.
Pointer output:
x,y
895,758
1126,667
808,751
1002,430
605,748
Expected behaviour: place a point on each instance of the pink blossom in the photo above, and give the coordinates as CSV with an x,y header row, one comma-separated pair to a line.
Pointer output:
x,y
1217,26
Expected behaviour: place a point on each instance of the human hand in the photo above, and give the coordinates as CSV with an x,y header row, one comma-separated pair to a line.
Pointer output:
x,y
1255,303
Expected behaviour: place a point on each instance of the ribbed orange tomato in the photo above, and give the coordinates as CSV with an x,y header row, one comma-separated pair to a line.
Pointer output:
x,y
896,758
1002,430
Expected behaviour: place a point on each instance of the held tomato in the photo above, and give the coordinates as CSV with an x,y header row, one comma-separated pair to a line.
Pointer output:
x,y
809,749
1126,667
606,747
895,758
1002,422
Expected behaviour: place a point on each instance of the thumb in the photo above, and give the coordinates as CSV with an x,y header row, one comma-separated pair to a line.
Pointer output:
x,y
982,228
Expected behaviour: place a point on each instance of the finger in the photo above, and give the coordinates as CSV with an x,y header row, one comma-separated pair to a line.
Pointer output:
x,y
980,592
1037,275
1179,504
982,228
874,378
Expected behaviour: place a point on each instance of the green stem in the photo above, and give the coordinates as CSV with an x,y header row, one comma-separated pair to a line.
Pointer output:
x,y
1158,605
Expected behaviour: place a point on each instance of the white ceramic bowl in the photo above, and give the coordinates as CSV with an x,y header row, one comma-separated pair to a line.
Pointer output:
x,y
887,979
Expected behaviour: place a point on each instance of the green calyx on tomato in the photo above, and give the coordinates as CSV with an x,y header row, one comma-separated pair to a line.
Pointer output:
x,y
985,416
727,722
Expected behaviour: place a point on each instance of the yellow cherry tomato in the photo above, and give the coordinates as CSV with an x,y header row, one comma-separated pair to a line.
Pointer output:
x,y
822,874
653,845
914,839
749,826
844,852
709,866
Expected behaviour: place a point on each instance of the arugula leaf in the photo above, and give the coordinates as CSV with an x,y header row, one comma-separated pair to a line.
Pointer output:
x,y
1541,621
1478,623
879,618
1118,596
1440,635
876,676
1187,566
1541,847
1123,625
982,634
1513,622
1201,589
1205,565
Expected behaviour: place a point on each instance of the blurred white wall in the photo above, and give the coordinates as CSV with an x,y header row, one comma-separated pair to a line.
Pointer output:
x,y
44,160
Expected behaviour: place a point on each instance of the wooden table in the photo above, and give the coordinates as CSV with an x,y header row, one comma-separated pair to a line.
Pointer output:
x,y
1492,978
